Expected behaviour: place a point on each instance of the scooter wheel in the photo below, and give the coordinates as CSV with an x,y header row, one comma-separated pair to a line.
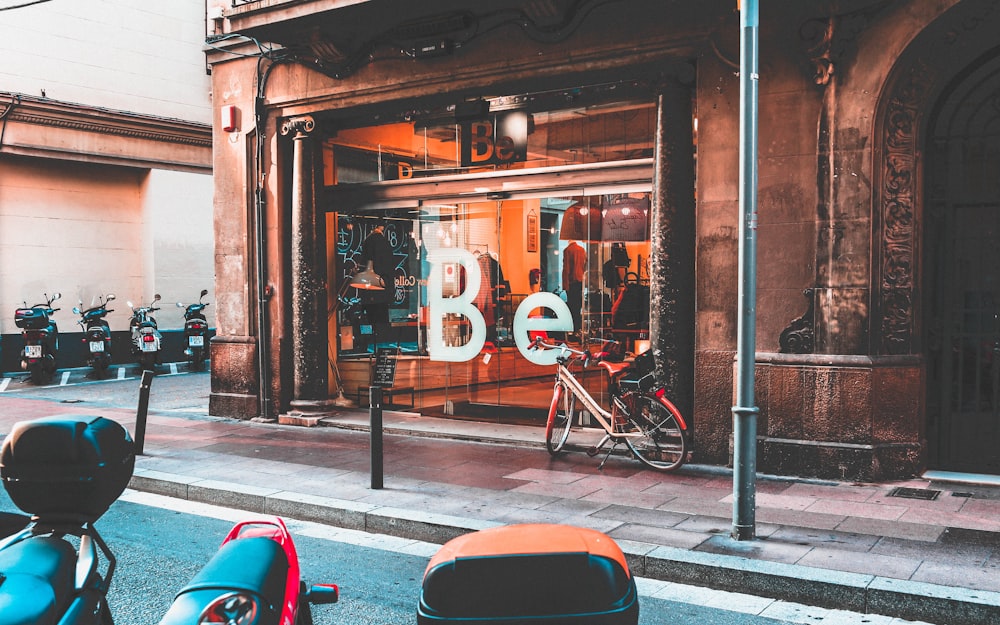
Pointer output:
x,y
40,376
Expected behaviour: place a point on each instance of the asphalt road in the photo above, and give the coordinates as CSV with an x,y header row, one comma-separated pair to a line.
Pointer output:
x,y
160,543
173,389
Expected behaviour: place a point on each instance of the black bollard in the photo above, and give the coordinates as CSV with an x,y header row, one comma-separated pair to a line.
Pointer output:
x,y
375,418
140,413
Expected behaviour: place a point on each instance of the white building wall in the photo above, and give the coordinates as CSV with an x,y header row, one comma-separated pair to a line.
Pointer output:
x,y
183,249
84,228
143,57
74,228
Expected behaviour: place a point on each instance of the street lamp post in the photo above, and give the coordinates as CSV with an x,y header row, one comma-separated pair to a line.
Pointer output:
x,y
745,412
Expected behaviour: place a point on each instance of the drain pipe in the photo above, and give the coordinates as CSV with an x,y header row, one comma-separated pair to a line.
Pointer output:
x,y
263,291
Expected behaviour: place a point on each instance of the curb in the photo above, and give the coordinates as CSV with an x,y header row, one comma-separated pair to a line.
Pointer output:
x,y
788,582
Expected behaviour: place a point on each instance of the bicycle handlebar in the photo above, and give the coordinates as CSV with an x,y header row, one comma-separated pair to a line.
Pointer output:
x,y
581,354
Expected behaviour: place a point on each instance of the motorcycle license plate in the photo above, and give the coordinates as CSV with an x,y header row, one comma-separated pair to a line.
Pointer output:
x,y
149,347
96,347
196,341
32,351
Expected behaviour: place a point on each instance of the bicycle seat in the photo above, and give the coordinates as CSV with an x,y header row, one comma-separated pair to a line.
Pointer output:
x,y
614,368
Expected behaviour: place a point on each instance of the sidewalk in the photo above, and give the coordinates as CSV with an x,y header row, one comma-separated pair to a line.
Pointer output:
x,y
860,547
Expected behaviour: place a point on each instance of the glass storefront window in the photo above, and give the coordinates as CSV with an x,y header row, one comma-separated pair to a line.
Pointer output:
x,y
486,204
487,139
592,252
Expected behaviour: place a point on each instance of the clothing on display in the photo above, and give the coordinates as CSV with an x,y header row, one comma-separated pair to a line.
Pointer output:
x,y
492,288
574,269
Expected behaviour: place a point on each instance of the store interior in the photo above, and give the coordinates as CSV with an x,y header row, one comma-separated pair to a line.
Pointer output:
x,y
589,247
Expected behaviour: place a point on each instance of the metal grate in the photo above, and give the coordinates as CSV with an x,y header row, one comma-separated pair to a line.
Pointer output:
x,y
915,493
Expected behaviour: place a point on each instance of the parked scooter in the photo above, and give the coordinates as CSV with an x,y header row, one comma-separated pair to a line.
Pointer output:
x,y
97,333
195,329
65,471
41,339
145,335
253,579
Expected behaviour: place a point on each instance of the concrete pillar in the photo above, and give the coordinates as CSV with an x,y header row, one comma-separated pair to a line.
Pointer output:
x,y
672,248
308,296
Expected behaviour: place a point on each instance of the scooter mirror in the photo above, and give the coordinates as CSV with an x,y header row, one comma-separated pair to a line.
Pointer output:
x,y
204,292
156,297
130,304
76,310
110,297
56,296
180,304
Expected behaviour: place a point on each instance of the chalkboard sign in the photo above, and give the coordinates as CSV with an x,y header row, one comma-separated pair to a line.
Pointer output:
x,y
350,239
385,367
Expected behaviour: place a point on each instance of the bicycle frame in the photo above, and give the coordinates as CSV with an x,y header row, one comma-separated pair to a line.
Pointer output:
x,y
603,416
644,419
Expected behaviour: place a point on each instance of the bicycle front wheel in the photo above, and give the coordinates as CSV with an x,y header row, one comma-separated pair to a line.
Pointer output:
x,y
561,412
662,444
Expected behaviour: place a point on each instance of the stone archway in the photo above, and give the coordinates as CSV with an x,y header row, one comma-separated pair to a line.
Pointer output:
x,y
922,72
905,302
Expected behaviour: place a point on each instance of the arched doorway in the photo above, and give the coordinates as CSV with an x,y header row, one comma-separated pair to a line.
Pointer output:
x,y
936,216
962,271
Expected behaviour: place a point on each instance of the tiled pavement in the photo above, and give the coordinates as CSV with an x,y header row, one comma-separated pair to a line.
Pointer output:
x,y
849,546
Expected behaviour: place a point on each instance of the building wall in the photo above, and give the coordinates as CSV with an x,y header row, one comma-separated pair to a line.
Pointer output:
x,y
141,57
179,223
841,407
105,153
81,229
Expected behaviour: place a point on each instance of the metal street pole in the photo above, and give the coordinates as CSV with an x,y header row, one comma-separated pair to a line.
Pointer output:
x,y
745,412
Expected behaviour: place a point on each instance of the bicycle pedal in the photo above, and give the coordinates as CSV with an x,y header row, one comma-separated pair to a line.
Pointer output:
x,y
592,451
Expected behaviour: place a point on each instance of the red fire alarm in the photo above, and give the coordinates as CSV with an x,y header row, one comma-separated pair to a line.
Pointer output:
x,y
229,118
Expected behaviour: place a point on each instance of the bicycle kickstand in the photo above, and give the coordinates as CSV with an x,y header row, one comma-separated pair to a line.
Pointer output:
x,y
593,451
596,448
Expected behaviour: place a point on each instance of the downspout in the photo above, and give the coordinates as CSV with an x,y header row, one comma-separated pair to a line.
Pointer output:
x,y
15,100
263,292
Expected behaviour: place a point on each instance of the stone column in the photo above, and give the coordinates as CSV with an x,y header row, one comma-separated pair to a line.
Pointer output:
x,y
672,249
308,296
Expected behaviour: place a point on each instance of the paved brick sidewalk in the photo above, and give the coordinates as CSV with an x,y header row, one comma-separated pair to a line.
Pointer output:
x,y
848,546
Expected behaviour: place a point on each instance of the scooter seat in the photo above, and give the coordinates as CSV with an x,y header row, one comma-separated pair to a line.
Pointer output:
x,y
36,580
256,565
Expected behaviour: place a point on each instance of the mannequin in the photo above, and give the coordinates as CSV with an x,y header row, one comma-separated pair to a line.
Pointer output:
x,y
376,248
574,269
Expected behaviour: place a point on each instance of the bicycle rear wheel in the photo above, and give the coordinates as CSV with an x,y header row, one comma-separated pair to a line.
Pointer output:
x,y
662,444
561,413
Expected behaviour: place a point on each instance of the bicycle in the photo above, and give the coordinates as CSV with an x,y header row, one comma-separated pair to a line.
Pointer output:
x,y
641,415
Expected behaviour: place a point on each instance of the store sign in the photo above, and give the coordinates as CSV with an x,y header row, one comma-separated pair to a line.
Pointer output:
x,y
501,139
444,310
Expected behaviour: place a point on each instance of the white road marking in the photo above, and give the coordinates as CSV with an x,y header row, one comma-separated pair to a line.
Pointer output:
x,y
4,383
65,378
